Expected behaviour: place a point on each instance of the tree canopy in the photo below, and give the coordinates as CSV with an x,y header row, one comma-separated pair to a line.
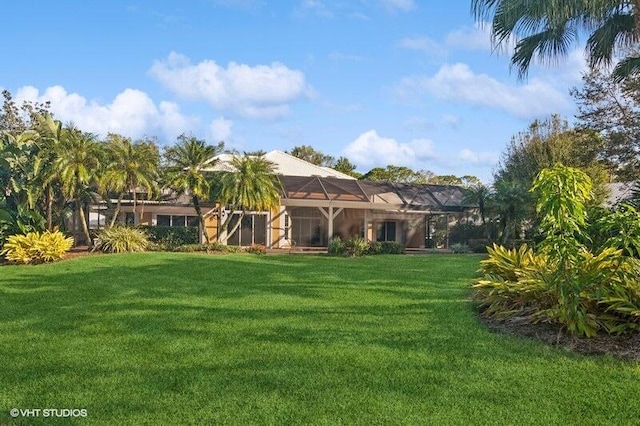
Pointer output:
x,y
546,29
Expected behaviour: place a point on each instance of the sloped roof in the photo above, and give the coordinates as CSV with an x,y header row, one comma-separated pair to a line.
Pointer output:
x,y
285,164
383,194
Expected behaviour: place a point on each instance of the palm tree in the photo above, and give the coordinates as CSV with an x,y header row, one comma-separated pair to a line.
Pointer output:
x,y
129,167
480,196
51,136
77,163
185,175
253,186
547,28
511,202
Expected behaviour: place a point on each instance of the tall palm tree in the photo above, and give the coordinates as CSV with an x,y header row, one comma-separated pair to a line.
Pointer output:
x,y
128,168
547,28
252,186
185,174
51,134
77,163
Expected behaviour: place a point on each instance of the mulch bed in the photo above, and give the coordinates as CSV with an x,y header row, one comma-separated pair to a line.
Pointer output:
x,y
625,346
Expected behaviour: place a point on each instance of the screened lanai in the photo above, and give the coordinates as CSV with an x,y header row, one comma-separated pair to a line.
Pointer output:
x,y
316,208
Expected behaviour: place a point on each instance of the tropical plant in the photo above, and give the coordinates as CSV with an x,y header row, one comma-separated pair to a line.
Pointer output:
x,y
252,186
36,247
548,28
77,163
122,239
583,290
185,172
170,237
336,247
355,245
128,168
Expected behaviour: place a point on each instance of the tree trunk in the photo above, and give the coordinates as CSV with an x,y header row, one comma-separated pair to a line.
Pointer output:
x,y
235,227
201,228
116,213
135,205
49,207
85,228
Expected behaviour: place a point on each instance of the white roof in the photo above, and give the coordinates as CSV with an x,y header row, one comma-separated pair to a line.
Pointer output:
x,y
286,165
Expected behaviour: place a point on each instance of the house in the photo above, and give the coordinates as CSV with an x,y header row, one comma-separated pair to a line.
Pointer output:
x,y
316,204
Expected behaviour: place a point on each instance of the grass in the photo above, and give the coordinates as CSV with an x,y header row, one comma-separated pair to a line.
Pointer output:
x,y
172,338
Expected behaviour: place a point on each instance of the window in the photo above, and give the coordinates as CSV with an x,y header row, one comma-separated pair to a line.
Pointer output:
x,y
176,220
163,220
252,230
308,227
129,219
386,231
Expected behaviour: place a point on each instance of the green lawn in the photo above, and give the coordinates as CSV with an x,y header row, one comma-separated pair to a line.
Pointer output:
x,y
169,338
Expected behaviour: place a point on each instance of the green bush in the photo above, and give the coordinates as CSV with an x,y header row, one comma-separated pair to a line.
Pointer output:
x,y
257,249
357,246
460,248
121,239
36,247
584,289
385,247
172,236
336,247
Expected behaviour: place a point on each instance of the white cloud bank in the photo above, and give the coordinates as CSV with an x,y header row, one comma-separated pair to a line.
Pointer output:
x,y
458,82
262,91
369,150
132,112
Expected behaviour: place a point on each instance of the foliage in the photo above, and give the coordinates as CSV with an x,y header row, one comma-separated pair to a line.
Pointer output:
x,y
546,29
313,156
584,290
36,247
460,248
122,239
357,246
612,109
185,172
336,247
171,236
252,186
619,229
256,249
130,167
385,247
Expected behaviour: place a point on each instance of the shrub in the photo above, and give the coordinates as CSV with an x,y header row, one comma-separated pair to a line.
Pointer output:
x,y
256,249
460,248
36,247
336,247
121,239
205,248
172,236
385,247
355,246
583,289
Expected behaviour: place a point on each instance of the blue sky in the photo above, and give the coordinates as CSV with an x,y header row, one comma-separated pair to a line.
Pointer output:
x,y
401,82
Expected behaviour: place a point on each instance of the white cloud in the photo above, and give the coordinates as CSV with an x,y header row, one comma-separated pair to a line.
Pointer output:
x,y
220,129
423,44
369,149
459,83
451,120
404,5
132,112
478,158
262,91
470,38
